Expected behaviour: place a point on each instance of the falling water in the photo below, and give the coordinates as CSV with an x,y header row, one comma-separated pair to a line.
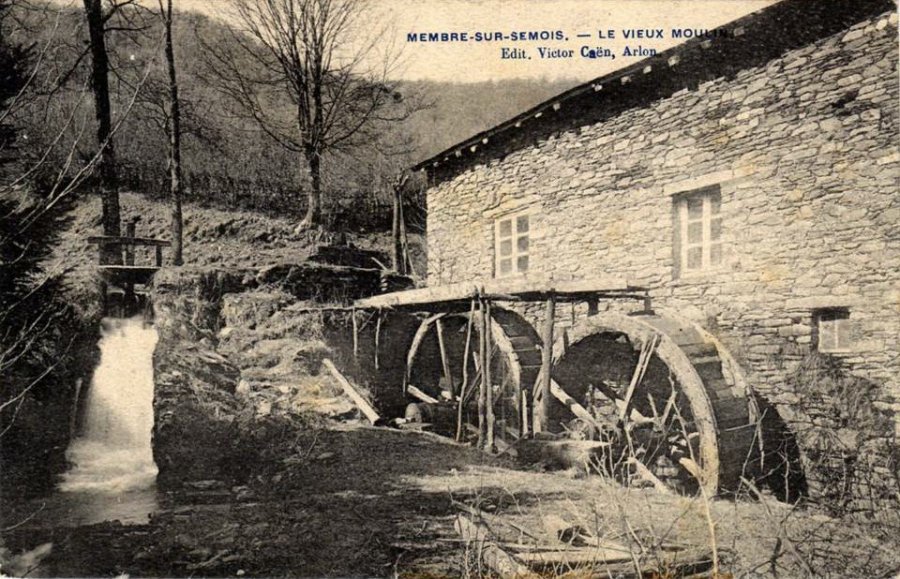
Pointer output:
x,y
112,471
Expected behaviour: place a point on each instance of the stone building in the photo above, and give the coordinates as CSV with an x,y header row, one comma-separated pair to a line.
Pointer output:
x,y
749,179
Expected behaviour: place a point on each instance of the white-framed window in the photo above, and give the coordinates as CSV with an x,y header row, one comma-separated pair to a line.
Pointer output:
x,y
832,329
698,230
512,244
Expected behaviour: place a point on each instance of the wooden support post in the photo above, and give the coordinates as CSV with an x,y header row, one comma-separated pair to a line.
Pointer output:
x,y
377,337
542,410
465,372
483,386
593,306
159,260
355,334
486,376
445,360
130,231
130,301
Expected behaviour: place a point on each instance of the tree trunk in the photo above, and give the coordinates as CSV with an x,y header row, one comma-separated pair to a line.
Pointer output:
x,y
395,233
313,216
175,179
109,182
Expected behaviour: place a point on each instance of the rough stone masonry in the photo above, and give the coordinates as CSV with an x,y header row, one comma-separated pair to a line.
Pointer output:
x,y
803,151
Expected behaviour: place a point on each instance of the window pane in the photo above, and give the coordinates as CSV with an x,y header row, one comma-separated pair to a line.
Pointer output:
x,y
695,207
695,258
522,244
695,233
715,254
506,248
522,263
506,228
505,266
715,229
827,337
842,331
715,203
522,224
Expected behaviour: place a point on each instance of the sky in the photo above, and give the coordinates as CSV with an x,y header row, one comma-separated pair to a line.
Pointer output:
x,y
481,61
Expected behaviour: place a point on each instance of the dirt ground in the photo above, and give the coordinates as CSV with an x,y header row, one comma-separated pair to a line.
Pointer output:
x,y
357,501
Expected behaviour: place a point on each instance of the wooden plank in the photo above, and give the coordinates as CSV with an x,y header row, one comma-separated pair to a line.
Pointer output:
x,y
112,240
501,562
357,398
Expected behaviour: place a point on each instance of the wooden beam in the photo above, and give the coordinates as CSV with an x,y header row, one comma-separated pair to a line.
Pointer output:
x,y
484,361
418,394
377,337
542,410
646,474
501,562
126,240
445,360
354,395
130,229
465,372
355,334
502,289
577,409
646,355
486,374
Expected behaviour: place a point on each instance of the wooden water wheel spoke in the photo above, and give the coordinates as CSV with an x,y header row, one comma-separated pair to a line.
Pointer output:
x,y
447,345
663,384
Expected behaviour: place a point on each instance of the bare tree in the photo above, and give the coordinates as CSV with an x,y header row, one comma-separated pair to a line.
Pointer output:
x,y
174,133
314,76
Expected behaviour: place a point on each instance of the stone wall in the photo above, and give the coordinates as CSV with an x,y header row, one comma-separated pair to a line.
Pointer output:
x,y
805,152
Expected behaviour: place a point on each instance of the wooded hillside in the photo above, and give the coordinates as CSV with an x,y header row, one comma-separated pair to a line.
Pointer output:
x,y
228,161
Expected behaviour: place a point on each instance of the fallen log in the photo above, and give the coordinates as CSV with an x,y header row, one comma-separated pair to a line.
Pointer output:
x,y
504,564
354,395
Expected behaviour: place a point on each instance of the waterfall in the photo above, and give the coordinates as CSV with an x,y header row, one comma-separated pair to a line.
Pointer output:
x,y
113,452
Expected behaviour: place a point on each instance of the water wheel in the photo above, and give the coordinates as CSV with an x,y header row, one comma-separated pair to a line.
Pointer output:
x,y
669,402
443,363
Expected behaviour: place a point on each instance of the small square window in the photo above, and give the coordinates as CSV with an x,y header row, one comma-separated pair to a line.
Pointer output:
x,y
832,329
